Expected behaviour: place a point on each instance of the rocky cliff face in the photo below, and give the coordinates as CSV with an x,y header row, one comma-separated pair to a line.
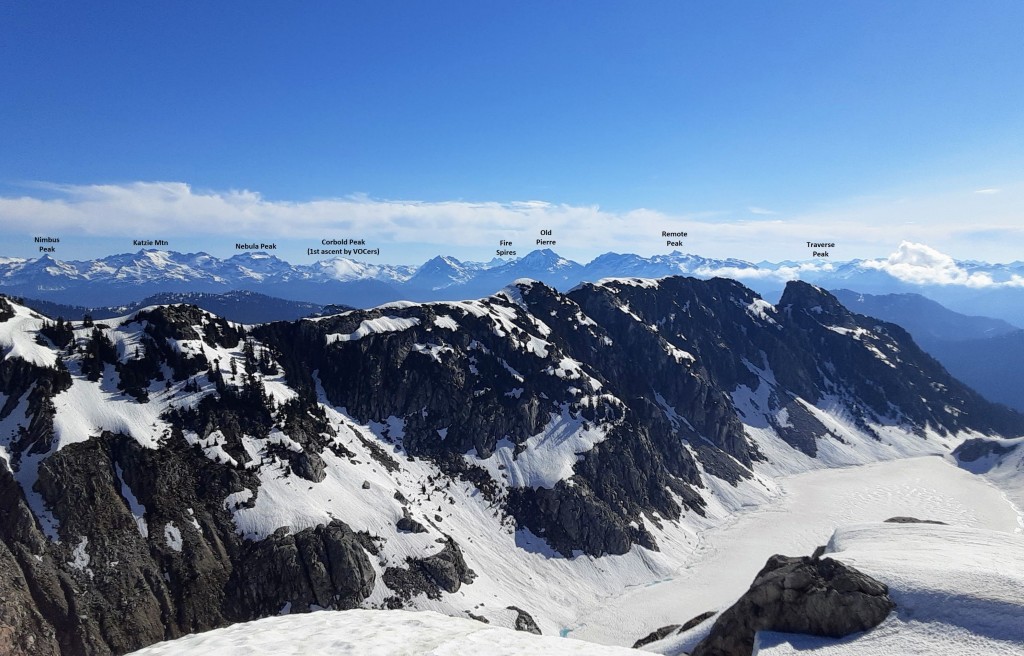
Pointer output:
x,y
149,552
170,471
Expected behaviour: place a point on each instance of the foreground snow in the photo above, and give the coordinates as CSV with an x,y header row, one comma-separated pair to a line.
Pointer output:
x,y
958,592
373,633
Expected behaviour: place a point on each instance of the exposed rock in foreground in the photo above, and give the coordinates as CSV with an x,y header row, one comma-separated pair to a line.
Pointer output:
x,y
799,595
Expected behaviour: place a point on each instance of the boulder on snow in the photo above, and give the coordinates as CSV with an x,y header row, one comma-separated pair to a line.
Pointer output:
x,y
799,595
694,621
913,520
656,635
673,629
409,525
447,567
446,570
524,621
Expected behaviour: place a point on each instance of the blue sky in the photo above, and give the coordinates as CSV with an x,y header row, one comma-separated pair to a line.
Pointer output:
x,y
424,127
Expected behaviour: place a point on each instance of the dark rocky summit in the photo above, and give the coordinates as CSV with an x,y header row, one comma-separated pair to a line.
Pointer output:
x,y
821,597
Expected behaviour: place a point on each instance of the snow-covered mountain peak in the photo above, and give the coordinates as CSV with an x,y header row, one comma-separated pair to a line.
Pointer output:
x,y
262,258
544,259
344,269
441,272
48,266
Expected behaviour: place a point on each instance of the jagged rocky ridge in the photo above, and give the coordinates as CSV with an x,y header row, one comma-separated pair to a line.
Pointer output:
x,y
170,471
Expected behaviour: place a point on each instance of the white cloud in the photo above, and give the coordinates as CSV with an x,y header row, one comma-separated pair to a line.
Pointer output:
x,y
151,207
969,225
990,190
780,274
922,265
753,209
156,208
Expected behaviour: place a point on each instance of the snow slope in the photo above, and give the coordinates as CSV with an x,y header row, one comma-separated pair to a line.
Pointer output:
x,y
17,341
373,633
1004,466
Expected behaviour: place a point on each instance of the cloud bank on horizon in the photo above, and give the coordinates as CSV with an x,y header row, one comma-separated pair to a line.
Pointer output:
x,y
862,228
919,264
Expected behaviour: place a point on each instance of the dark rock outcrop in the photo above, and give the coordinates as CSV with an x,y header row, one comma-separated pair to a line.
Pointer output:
x,y
799,595
446,570
6,310
448,567
665,631
656,635
524,621
913,520
25,582
118,581
325,566
977,448
408,524
694,621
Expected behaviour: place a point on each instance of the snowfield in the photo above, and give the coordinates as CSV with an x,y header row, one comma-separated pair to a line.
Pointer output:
x,y
549,456
373,633
809,508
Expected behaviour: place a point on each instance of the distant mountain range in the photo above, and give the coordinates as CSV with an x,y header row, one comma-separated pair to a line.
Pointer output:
x,y
928,321
972,287
239,305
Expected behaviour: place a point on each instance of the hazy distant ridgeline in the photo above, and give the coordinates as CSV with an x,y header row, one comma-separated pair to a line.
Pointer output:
x,y
974,288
